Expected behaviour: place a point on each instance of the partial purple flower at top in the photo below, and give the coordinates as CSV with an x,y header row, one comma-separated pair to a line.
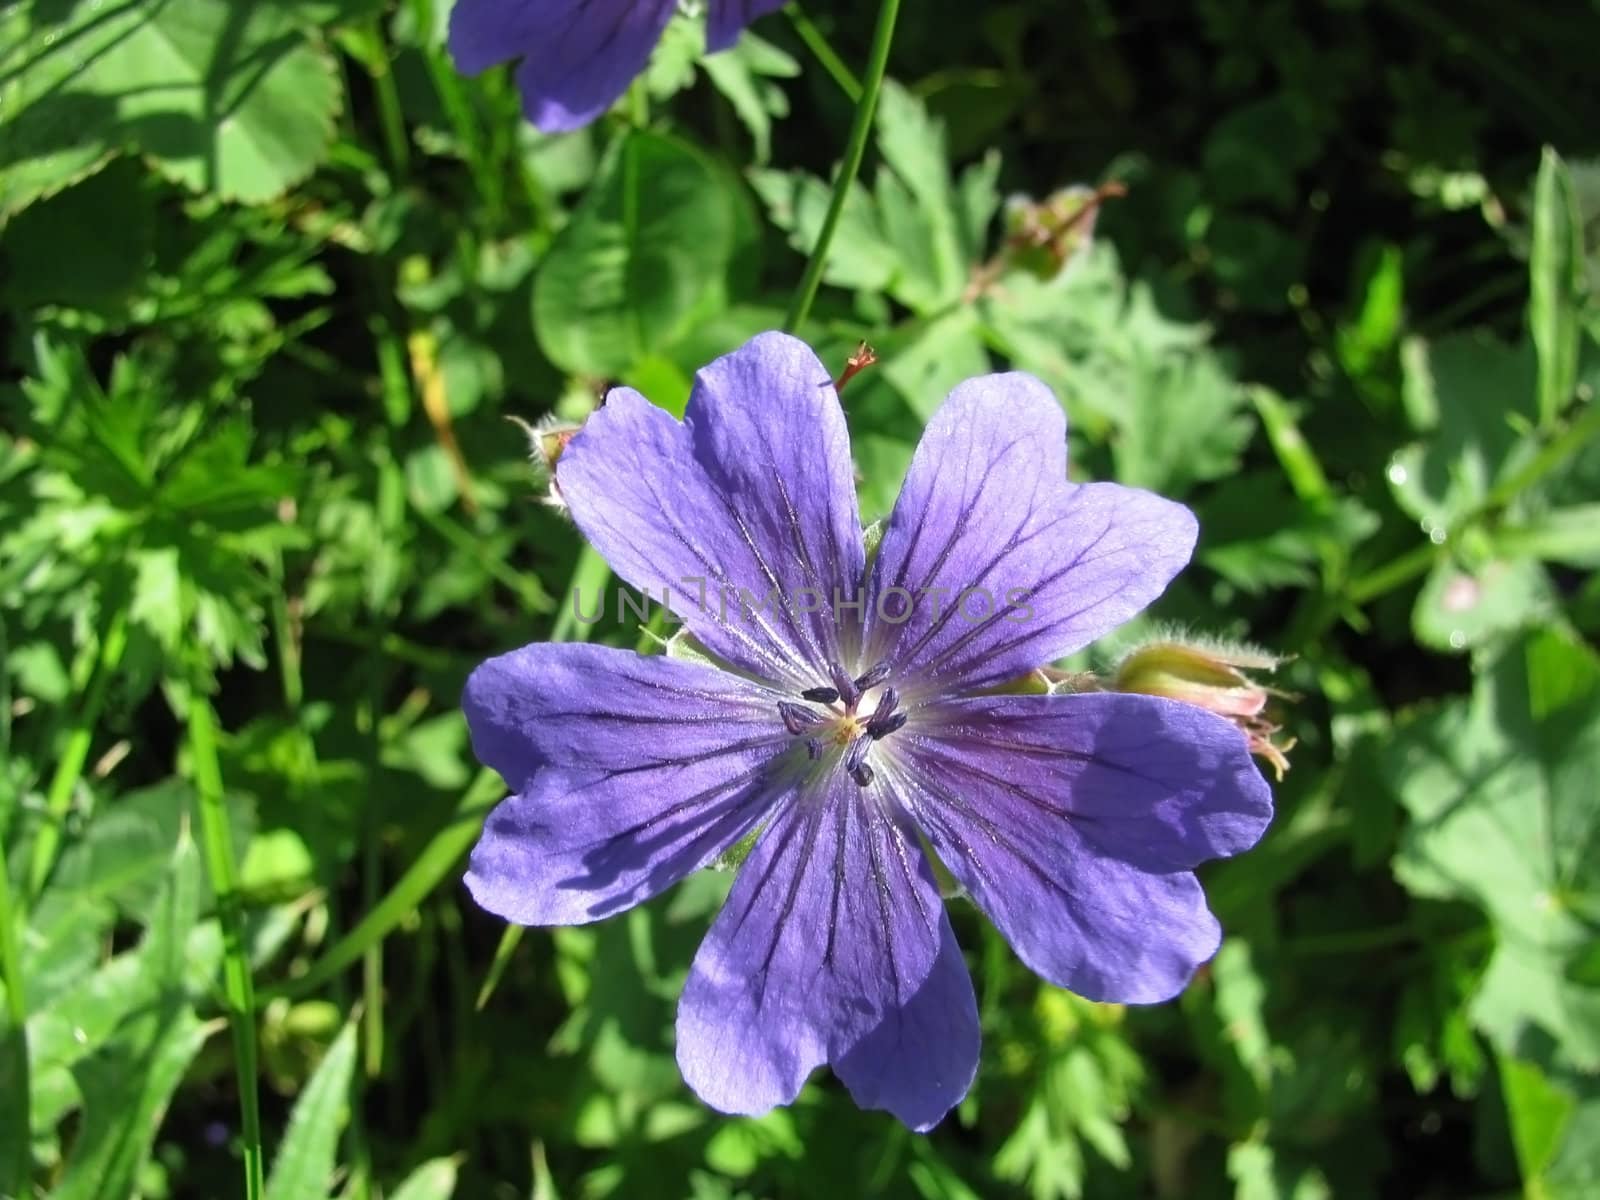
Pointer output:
x,y
854,723
578,56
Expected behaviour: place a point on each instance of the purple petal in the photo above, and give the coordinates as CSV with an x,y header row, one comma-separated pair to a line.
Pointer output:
x,y
573,705
751,496
1047,566
576,846
578,56
1075,822
833,948
728,18
630,773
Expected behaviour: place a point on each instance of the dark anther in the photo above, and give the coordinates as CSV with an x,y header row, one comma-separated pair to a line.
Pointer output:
x,y
797,718
819,695
873,677
885,720
877,729
814,748
844,686
855,757
862,775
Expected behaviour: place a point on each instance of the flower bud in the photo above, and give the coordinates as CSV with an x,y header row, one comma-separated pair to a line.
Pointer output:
x,y
1044,237
546,441
1211,675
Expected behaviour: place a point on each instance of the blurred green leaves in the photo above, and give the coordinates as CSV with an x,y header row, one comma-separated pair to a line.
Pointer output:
x,y
273,274
1500,792
643,258
235,98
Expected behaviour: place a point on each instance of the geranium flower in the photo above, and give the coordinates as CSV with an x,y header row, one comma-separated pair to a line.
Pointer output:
x,y
578,56
847,726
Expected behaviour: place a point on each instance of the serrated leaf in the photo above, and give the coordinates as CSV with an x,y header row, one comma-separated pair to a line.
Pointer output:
x,y
1128,375
1504,814
306,1157
638,262
744,74
228,96
909,235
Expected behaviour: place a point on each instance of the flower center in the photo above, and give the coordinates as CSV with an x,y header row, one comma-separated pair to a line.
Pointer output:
x,y
842,727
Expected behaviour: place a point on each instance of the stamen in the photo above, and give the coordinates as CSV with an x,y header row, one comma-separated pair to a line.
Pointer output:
x,y
819,695
862,775
855,757
873,677
877,730
814,748
848,692
797,718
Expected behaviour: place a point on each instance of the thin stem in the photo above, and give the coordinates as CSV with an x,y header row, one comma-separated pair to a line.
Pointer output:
x,y
238,988
1554,452
1394,573
69,768
14,1177
390,115
855,149
817,42
421,877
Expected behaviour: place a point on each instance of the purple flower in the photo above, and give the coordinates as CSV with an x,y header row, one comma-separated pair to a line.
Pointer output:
x,y
578,56
842,725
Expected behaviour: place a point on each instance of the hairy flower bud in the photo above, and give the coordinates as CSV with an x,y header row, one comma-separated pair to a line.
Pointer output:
x,y
1211,675
546,441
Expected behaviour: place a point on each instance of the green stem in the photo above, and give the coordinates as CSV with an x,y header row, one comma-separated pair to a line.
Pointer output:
x,y
1395,573
589,575
390,115
817,42
855,149
14,1176
1554,452
527,587
463,120
69,768
238,988
420,878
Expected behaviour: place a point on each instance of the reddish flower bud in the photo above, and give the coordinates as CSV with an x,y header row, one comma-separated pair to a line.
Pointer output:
x,y
1213,676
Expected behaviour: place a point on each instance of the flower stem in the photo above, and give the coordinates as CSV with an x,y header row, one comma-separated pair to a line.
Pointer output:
x,y
817,42
14,1176
855,149
69,767
238,988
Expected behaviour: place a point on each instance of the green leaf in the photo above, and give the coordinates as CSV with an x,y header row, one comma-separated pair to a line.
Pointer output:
x,y
639,261
1556,279
1539,1114
1128,375
127,1080
61,251
1568,535
228,96
306,1157
433,1180
912,234
1480,394
1504,814
1465,606
744,75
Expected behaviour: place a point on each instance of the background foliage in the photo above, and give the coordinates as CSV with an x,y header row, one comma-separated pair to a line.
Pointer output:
x,y
272,276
